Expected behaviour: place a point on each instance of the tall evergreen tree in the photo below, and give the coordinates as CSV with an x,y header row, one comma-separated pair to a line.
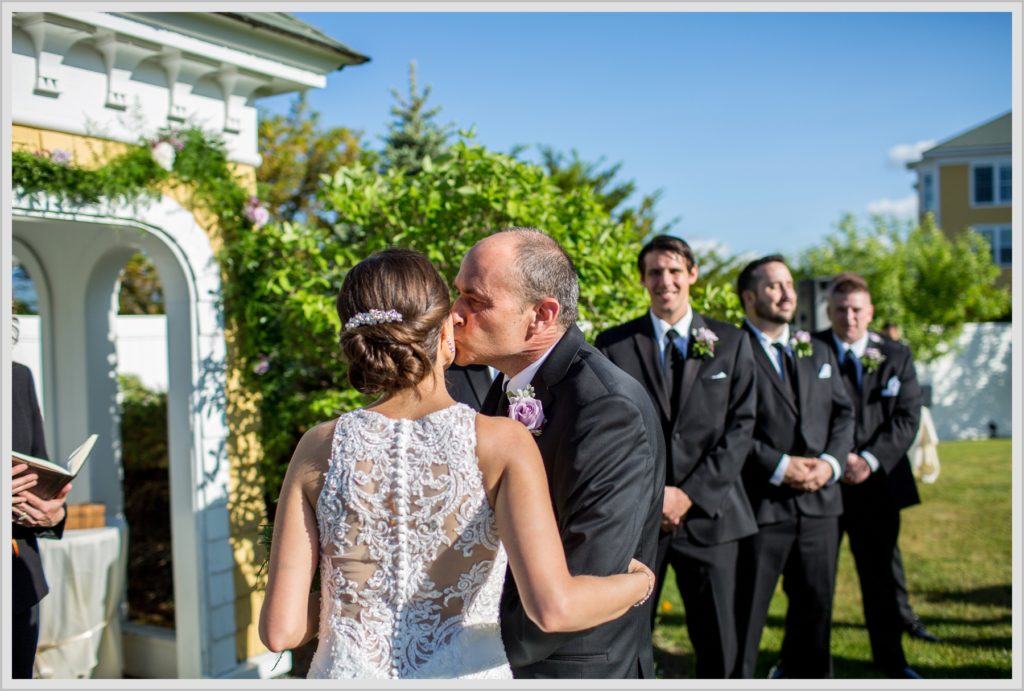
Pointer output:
x,y
414,134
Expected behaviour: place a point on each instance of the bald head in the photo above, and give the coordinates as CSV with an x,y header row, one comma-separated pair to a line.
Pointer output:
x,y
538,268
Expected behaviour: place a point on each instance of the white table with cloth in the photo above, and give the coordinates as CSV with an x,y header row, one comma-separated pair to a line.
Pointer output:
x,y
79,621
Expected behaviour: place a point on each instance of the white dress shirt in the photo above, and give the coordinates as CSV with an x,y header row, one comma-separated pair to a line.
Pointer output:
x,y
526,376
773,355
661,329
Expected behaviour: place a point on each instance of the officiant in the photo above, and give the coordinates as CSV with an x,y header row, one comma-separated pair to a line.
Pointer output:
x,y
31,518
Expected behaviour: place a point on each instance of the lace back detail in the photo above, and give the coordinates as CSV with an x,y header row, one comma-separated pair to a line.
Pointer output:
x,y
411,566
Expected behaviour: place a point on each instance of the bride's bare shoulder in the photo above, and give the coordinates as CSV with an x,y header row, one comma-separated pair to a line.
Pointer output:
x,y
313,451
500,439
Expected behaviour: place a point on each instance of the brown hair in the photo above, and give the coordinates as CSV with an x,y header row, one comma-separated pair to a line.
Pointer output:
x,y
666,243
848,282
388,357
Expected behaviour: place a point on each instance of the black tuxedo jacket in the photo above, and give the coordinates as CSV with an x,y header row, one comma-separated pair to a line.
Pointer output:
x,y
468,384
602,449
709,438
820,420
28,581
886,427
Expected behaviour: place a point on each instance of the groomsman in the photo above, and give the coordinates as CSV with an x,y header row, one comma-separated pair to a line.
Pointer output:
x,y
878,482
699,372
802,435
469,384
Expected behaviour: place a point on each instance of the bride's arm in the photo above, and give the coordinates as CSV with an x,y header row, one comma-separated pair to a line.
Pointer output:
x,y
290,614
553,598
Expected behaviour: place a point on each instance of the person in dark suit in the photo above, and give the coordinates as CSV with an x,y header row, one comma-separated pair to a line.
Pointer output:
x,y
878,482
699,372
32,518
468,384
599,438
802,435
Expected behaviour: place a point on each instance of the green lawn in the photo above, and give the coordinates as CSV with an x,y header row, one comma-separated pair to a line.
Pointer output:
x,y
957,553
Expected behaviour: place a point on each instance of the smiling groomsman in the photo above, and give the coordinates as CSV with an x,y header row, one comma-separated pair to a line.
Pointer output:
x,y
700,374
802,435
880,378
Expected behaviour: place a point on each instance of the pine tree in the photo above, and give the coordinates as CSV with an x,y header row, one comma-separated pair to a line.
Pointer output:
x,y
413,134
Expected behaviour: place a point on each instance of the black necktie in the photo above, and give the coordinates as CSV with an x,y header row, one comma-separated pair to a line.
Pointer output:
x,y
849,368
673,358
786,370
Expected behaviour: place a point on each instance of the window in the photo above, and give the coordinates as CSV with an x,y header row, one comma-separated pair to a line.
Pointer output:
x,y
1000,239
928,192
990,184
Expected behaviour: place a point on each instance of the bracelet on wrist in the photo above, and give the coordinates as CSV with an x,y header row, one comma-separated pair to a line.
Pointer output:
x,y
650,589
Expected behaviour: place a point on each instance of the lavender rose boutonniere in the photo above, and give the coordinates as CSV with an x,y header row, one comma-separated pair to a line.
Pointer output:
x,y
704,342
522,406
801,344
872,359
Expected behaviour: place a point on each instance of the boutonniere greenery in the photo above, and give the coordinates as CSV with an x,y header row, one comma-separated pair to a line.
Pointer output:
x,y
872,359
522,406
703,344
801,344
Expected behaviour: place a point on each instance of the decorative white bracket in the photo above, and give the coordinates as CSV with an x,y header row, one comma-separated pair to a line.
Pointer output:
x,y
47,64
227,77
170,60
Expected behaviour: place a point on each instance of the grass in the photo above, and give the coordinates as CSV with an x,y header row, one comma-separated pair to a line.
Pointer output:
x,y
957,554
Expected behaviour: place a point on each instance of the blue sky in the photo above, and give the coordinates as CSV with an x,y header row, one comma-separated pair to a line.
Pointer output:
x,y
760,128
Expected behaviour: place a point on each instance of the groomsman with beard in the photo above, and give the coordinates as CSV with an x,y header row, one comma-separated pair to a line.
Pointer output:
x,y
699,373
802,435
878,482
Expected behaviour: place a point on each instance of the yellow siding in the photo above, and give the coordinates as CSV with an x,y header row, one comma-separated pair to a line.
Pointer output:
x,y
955,212
245,503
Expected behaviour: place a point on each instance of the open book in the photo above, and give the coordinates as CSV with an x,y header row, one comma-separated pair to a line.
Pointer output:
x,y
53,476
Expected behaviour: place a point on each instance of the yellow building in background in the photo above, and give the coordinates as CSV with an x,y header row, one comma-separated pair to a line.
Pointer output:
x,y
965,181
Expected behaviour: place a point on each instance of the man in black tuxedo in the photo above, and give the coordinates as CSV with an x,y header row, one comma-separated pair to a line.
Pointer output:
x,y
699,372
32,518
878,482
468,384
802,435
600,442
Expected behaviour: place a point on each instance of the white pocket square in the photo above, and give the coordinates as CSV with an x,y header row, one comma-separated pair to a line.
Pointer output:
x,y
718,375
892,387
825,372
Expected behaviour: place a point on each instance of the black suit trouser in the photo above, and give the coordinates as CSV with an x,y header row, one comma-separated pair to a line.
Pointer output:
x,y
24,638
706,576
873,538
803,551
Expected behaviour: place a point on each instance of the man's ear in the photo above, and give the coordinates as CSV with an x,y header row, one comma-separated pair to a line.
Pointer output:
x,y
545,315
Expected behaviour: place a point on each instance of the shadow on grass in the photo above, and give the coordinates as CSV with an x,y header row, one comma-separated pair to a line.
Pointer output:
x,y
673,664
992,596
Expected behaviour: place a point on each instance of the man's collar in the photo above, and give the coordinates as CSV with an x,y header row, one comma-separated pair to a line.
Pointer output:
x,y
526,376
766,339
858,347
661,326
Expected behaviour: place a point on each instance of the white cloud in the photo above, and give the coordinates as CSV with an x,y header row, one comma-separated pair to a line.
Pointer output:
x,y
902,154
901,208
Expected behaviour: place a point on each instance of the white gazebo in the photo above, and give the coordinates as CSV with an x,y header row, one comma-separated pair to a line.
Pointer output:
x,y
82,78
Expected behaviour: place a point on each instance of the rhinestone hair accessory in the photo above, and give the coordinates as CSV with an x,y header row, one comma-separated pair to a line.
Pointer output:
x,y
373,317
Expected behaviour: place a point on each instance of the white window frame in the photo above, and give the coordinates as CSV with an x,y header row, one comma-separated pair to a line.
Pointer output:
x,y
997,243
995,165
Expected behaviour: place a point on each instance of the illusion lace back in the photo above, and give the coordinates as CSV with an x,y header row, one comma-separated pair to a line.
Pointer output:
x,y
411,567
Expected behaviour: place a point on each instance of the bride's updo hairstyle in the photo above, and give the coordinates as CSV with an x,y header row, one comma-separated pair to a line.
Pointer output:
x,y
385,355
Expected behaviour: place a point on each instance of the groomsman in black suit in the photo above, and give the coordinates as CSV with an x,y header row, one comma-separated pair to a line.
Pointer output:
x,y
878,482
599,439
469,384
699,373
802,435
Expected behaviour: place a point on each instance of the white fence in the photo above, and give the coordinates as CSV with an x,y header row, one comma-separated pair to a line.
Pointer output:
x,y
971,388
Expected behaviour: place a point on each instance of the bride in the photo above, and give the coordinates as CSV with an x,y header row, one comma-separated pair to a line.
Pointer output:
x,y
413,507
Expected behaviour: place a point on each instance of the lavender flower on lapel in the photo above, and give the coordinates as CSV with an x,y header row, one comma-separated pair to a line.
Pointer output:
x,y
801,344
872,359
522,406
704,342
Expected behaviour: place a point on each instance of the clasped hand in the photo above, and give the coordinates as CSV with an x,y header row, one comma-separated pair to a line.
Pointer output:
x,y
857,469
674,507
29,510
807,474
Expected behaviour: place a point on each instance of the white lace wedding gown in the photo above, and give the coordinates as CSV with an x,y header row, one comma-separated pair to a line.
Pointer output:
x,y
411,566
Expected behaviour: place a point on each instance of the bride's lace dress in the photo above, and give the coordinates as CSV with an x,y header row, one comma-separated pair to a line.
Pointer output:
x,y
411,566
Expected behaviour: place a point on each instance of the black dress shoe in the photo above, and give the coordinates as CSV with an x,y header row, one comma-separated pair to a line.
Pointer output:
x,y
905,673
776,671
918,630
